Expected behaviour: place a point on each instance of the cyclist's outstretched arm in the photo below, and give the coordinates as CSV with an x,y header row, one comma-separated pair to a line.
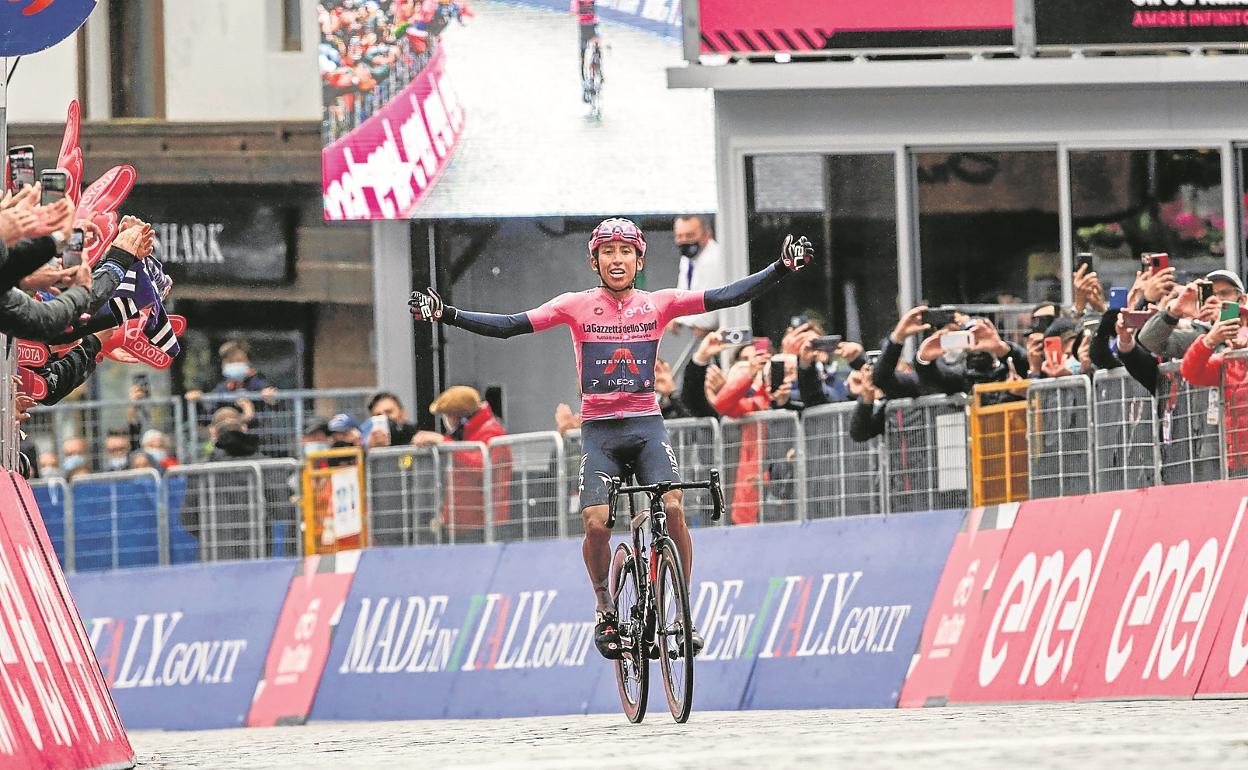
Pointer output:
x,y
795,254
427,305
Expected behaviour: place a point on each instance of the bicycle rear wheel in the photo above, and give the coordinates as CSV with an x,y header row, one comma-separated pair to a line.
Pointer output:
x,y
674,632
632,669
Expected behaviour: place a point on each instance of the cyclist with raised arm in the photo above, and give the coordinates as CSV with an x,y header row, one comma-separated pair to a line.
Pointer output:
x,y
586,13
616,330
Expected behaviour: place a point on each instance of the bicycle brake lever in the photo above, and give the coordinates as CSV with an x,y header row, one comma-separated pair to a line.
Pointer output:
x,y
717,496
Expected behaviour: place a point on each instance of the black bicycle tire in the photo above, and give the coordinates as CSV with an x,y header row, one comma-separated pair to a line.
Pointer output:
x,y
669,565
622,564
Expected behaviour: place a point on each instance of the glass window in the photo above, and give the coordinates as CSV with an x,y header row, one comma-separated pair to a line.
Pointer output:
x,y
847,206
989,231
1128,202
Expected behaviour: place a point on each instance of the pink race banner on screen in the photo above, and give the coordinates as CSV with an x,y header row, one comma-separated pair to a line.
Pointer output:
x,y
383,168
956,605
301,643
747,26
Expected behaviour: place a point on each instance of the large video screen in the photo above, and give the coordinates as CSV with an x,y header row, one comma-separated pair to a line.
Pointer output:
x,y
752,27
440,109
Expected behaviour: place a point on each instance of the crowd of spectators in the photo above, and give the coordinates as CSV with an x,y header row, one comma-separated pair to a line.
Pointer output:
x,y
371,49
55,301
1156,320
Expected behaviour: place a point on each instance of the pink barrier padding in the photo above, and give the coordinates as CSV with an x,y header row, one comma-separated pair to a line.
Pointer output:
x,y
383,168
955,608
1110,596
56,711
301,643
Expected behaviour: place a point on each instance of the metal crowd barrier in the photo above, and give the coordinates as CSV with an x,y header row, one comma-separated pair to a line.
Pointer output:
x,y
842,475
279,419
926,454
56,505
1125,419
764,473
1190,438
529,473
1060,437
432,495
1235,413
404,494
50,427
1081,435
210,512
998,426
118,520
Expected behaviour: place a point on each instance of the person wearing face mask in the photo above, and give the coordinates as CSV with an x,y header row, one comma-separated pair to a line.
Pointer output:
x,y
116,450
465,417
701,268
237,373
156,446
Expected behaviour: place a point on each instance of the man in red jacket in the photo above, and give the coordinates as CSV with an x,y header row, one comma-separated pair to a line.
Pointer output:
x,y
1206,365
466,418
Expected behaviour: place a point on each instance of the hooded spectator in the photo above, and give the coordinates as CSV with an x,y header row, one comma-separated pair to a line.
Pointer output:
x,y
231,441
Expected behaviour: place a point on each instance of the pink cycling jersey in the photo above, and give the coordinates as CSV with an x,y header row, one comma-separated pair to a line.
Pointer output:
x,y
617,342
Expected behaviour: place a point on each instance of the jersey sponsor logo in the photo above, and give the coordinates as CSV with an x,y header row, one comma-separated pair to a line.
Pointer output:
x,y
607,367
623,357
646,308
618,329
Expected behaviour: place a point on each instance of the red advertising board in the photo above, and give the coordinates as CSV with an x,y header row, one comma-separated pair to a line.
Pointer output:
x,y
748,26
968,573
56,712
301,642
385,165
1110,596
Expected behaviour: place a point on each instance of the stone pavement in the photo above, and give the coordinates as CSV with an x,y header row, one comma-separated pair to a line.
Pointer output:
x,y
1141,735
529,148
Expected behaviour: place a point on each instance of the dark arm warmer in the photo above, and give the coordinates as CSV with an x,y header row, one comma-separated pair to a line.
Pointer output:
x,y
71,370
693,391
488,324
1099,350
809,387
894,385
867,422
1142,366
746,289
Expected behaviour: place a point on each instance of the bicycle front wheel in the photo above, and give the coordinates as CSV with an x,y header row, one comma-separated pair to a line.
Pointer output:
x,y
674,632
632,669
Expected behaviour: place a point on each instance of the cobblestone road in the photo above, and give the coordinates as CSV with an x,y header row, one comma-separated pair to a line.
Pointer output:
x,y
1141,735
529,148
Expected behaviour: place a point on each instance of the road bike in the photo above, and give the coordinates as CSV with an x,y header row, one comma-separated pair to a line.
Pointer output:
x,y
651,600
592,77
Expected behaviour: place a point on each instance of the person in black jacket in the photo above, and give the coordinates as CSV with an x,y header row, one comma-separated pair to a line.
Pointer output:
x,y
26,318
868,419
66,373
698,372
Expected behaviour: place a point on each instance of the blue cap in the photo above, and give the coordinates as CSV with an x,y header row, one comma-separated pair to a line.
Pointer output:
x,y
341,423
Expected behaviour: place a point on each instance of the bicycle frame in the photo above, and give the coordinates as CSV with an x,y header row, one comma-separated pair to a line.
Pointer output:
x,y
656,516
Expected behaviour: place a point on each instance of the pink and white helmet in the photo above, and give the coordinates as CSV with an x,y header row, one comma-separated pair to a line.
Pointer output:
x,y
617,229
